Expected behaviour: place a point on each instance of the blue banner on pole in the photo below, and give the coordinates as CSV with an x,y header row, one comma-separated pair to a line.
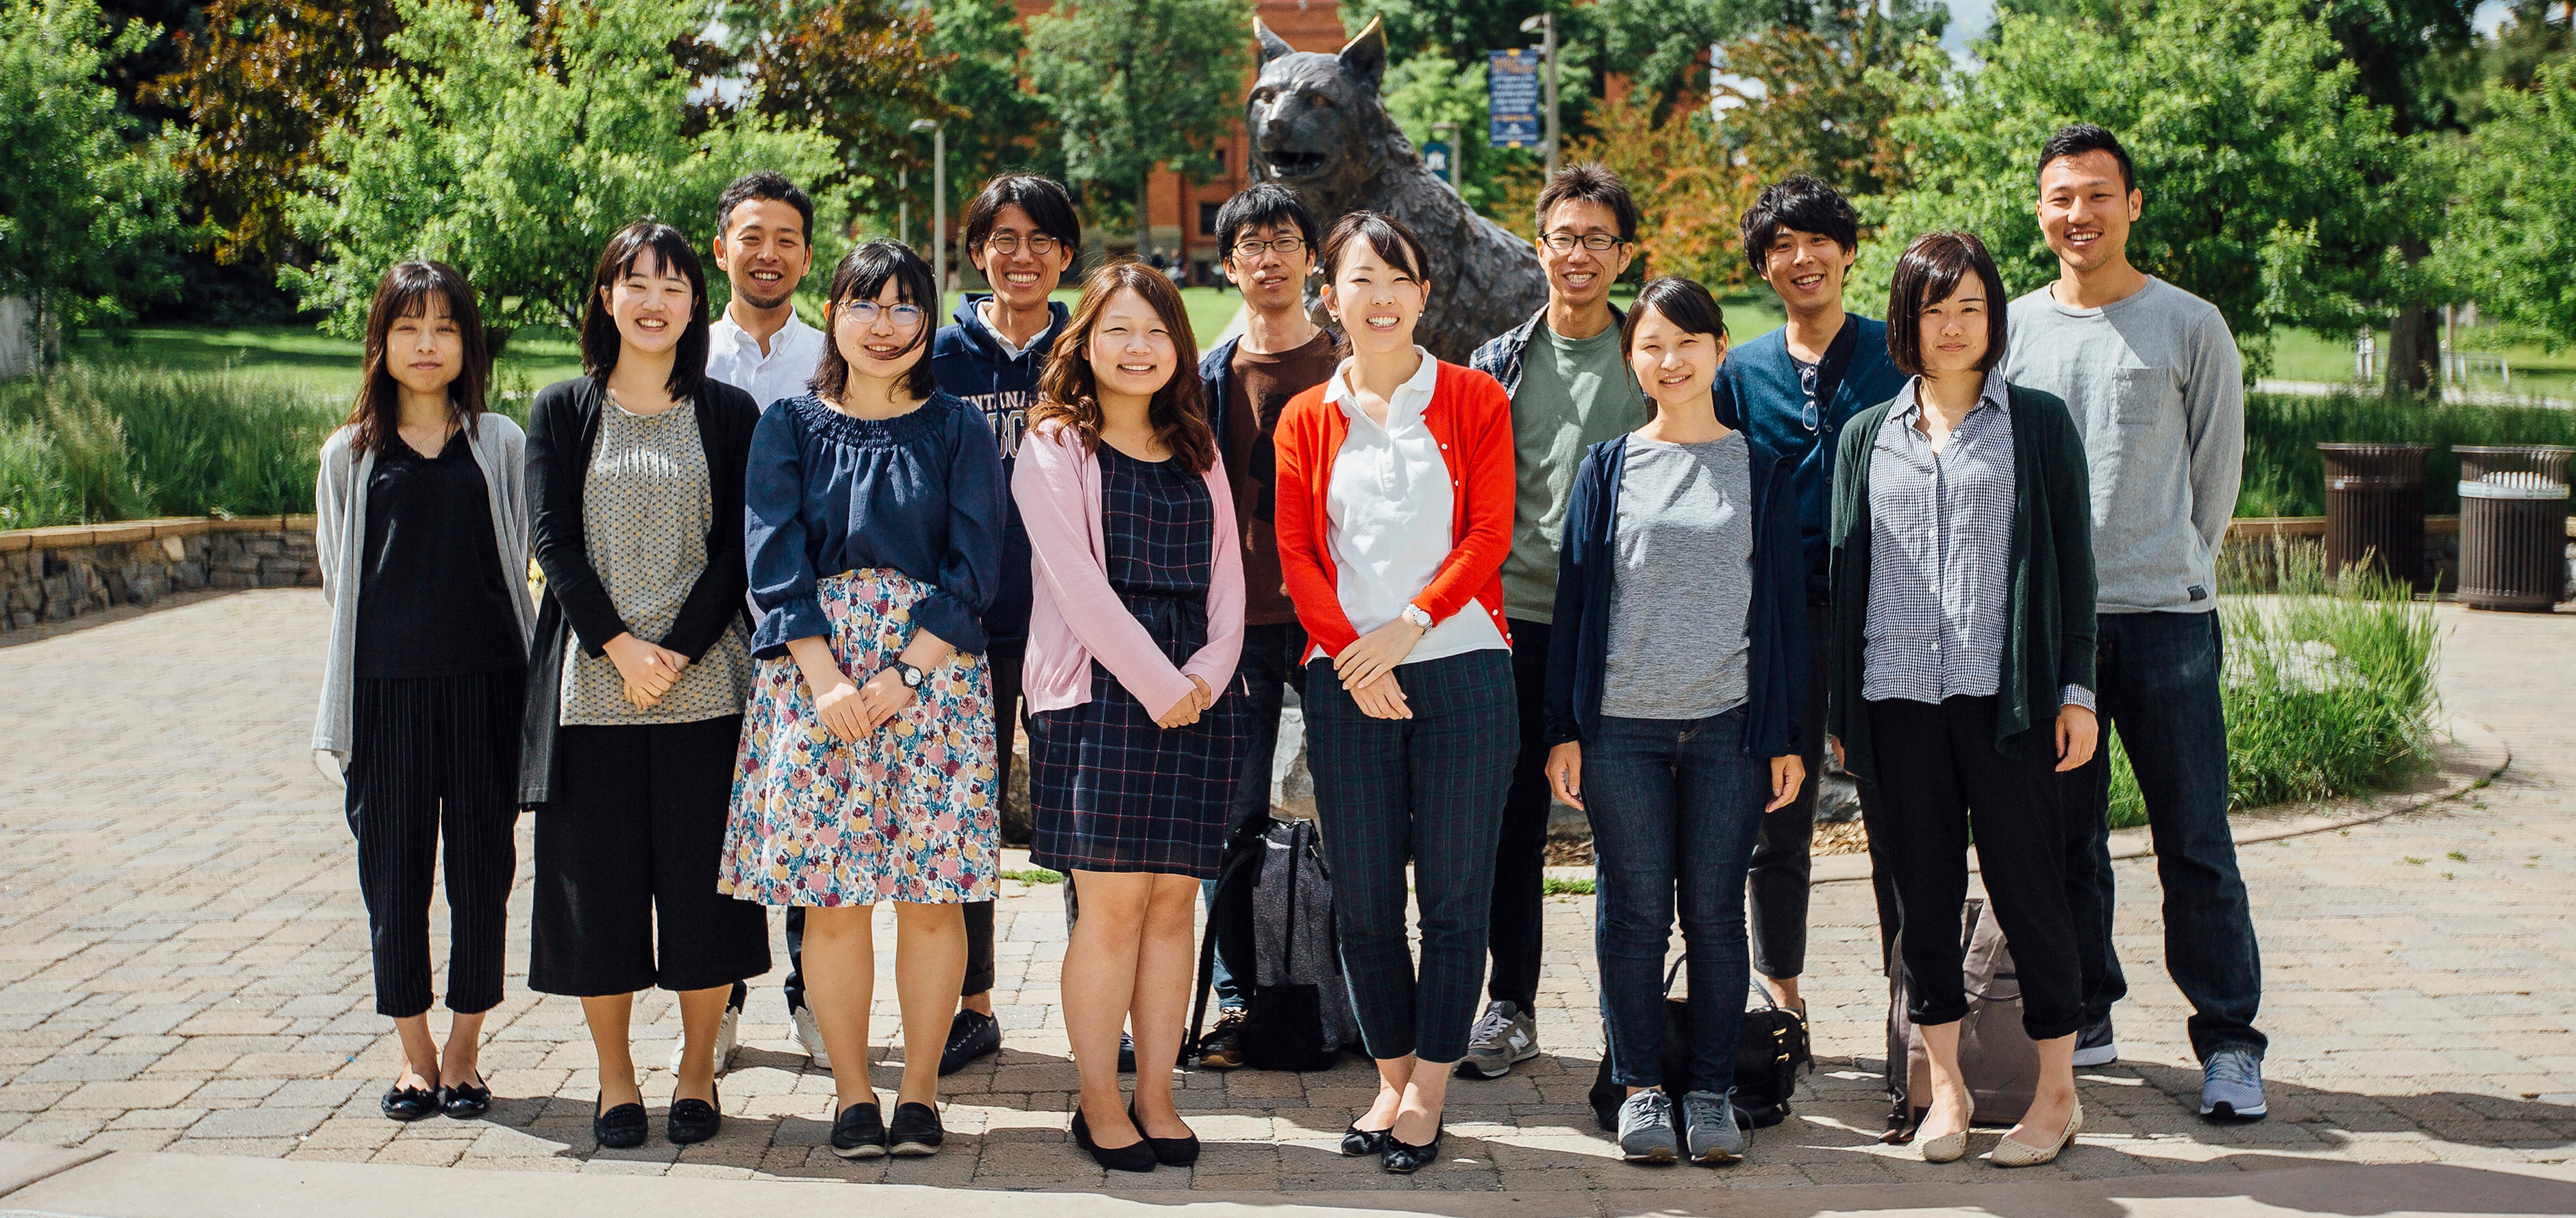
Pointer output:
x,y
1511,98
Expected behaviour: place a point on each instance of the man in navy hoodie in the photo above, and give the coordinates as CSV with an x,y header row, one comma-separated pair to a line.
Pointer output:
x,y
1021,232
1793,389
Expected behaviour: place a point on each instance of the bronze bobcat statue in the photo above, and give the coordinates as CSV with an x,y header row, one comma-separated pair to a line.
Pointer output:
x,y
1318,128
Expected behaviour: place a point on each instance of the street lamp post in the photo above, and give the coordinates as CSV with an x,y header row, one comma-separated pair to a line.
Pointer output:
x,y
939,213
1545,25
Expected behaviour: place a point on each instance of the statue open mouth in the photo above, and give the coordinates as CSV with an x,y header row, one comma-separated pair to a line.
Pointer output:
x,y
1294,164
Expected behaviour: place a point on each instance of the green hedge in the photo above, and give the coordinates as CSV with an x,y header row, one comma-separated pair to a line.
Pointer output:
x,y
92,445
2284,476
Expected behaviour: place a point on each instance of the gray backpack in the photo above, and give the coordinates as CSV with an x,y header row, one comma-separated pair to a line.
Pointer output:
x,y
1998,1058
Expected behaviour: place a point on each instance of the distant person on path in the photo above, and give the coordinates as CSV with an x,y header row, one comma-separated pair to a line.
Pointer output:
x,y
1570,390
1676,673
1395,482
1022,233
1793,390
873,523
1136,721
635,693
1270,241
1963,671
764,231
421,531
2153,378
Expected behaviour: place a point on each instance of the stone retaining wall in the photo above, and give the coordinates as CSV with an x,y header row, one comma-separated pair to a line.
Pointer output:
x,y
53,575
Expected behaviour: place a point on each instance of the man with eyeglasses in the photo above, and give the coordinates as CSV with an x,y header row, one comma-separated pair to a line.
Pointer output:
x,y
1571,389
1793,389
1269,241
1021,232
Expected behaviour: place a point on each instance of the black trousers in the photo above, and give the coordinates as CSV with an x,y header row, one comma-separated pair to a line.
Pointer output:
x,y
1007,705
1939,777
1783,859
435,759
1516,918
626,865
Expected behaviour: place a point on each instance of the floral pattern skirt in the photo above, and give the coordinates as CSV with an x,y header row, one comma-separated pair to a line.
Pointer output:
x,y
910,813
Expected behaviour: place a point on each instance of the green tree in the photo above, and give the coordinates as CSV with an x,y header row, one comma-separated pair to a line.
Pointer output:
x,y
1001,124
515,157
90,222
2512,233
1137,83
2273,188
858,71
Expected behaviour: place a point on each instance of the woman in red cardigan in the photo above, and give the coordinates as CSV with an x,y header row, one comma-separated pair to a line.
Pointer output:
x,y
1395,511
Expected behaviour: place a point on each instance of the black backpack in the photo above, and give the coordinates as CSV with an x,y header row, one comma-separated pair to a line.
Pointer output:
x,y
1768,1057
1274,906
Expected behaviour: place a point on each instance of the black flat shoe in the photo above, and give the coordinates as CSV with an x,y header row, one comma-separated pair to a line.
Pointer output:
x,y
915,1131
1403,1158
694,1120
619,1128
971,1034
1357,1141
465,1101
1170,1152
1138,1157
408,1103
859,1133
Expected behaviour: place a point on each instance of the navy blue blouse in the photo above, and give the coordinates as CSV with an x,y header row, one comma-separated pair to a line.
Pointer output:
x,y
919,493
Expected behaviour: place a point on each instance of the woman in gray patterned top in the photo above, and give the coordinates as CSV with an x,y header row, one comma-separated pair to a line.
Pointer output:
x,y
1677,678
635,692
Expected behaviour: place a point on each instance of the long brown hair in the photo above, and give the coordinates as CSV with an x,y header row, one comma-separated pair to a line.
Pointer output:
x,y
1069,391
406,291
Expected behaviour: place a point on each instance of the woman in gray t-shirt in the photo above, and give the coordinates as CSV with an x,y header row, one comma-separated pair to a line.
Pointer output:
x,y
1677,681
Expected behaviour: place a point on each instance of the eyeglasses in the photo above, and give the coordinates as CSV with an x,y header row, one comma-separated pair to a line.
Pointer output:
x,y
1599,243
1811,418
865,312
1009,243
1251,247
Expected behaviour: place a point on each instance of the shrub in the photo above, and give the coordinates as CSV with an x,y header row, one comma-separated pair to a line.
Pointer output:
x,y
131,443
2285,477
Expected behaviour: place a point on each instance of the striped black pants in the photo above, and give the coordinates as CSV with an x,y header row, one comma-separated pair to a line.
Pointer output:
x,y
435,759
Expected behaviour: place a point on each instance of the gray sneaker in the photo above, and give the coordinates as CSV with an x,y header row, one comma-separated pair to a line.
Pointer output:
x,y
1646,1128
1506,1034
2096,1046
1708,1120
2231,1086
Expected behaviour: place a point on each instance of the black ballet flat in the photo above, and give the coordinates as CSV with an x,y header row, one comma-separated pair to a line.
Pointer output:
x,y
1403,1158
465,1101
1357,1141
694,1120
1139,1157
1170,1152
408,1103
619,1128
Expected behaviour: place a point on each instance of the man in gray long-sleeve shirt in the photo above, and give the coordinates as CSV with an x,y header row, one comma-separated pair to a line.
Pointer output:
x,y
2152,376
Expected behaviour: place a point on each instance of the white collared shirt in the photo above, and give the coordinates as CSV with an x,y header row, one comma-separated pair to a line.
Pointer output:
x,y
1388,511
734,357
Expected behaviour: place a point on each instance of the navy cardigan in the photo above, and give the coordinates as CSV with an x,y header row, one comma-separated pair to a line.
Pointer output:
x,y
1757,390
1578,644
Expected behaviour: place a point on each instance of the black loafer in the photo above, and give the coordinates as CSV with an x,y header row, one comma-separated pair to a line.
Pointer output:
x,y
1403,1158
859,1133
1136,1157
408,1103
694,1120
971,1034
915,1131
619,1128
1170,1152
465,1101
1357,1141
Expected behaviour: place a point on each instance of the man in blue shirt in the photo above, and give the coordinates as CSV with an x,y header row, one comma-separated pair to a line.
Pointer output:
x,y
1793,389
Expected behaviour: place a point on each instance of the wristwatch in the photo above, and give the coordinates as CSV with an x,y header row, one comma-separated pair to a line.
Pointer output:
x,y
912,676
1417,615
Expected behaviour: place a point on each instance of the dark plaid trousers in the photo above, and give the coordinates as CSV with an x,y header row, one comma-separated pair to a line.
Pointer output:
x,y
1428,789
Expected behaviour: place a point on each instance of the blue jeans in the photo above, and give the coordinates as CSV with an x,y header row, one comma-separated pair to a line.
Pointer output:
x,y
2158,687
1675,807
1268,665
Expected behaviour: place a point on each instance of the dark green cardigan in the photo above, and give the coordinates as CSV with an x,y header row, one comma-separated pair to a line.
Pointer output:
x,y
2048,631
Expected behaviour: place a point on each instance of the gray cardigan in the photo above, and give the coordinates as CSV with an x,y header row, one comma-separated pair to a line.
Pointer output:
x,y
340,543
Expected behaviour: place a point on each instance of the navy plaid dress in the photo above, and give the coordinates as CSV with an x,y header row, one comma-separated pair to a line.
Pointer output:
x,y
1109,790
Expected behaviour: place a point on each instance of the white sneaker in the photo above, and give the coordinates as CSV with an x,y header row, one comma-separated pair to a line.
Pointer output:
x,y
809,1033
727,1030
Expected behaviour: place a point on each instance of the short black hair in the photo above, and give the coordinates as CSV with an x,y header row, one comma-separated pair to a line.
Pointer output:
x,y
1383,234
762,184
1048,203
1678,300
1591,182
861,275
600,343
1801,202
1926,273
1262,205
2076,139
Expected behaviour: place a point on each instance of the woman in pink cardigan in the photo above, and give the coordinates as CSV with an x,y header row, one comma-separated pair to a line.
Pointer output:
x,y
1136,721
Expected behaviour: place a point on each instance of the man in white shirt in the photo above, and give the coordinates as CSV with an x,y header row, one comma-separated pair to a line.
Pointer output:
x,y
764,246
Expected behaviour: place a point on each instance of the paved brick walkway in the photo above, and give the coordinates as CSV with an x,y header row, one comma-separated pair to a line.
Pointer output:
x,y
183,966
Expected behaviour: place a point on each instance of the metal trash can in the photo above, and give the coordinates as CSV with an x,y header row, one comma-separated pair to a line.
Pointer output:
x,y
2375,509
2513,525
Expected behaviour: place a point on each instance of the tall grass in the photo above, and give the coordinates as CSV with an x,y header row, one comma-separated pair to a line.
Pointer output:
x,y
89,445
2328,689
2284,476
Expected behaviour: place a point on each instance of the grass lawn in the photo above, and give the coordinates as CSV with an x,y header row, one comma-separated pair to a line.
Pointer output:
x,y
2303,355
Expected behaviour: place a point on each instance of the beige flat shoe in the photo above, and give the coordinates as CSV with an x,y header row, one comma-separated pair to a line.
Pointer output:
x,y
2009,1153
1949,1147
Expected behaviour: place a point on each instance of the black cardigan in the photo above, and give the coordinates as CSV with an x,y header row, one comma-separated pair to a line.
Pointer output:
x,y
563,430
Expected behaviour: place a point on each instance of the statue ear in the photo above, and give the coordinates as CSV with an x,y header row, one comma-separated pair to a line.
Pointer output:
x,y
1364,58
1272,45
